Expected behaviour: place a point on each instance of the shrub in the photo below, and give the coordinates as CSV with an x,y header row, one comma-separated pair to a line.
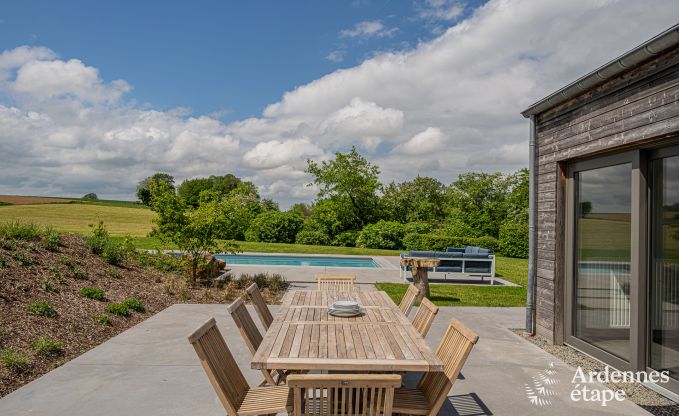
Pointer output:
x,y
47,285
514,239
13,360
18,230
161,261
382,234
437,242
311,237
51,240
118,309
346,239
93,293
275,282
99,239
45,346
275,227
420,227
42,309
78,273
134,304
91,197
101,319
22,258
115,253
2,262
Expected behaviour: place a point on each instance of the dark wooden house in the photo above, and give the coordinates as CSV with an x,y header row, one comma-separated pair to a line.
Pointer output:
x,y
604,266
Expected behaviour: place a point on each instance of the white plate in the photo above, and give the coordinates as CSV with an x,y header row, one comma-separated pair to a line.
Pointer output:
x,y
344,313
345,304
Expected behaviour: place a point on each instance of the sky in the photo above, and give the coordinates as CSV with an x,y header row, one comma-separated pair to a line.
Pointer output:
x,y
94,97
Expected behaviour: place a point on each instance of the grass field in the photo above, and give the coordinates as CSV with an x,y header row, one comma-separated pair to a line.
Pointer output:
x,y
76,218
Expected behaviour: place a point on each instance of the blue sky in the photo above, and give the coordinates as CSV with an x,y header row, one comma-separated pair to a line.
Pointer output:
x,y
227,58
95,96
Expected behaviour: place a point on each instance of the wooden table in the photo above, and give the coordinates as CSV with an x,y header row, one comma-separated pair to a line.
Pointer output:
x,y
304,336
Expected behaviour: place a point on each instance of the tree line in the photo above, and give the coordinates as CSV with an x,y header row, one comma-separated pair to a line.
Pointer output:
x,y
352,208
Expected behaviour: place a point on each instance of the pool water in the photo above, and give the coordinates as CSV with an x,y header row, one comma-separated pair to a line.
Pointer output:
x,y
280,260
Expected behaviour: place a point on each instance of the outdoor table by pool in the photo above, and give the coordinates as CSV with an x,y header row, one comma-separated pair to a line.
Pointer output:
x,y
304,336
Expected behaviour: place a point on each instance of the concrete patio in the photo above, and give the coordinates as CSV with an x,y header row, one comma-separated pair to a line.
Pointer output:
x,y
152,370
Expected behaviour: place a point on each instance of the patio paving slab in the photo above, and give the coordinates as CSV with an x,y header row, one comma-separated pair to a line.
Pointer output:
x,y
151,369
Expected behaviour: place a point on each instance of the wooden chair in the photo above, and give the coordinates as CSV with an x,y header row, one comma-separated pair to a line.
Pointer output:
x,y
236,395
409,299
343,394
425,316
252,337
260,306
338,282
432,390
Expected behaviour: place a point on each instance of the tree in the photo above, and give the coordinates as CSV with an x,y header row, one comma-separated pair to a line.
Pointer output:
x,y
351,183
479,200
144,188
91,197
302,209
194,231
190,189
422,199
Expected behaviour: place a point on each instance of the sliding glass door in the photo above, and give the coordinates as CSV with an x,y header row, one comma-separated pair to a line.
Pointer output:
x,y
602,254
664,265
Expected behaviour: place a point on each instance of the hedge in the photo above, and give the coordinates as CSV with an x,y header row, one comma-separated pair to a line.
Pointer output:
x,y
514,239
437,242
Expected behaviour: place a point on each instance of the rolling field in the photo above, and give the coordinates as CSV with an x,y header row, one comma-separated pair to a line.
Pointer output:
x,y
76,217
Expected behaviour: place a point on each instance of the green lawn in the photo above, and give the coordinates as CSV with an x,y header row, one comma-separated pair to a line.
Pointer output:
x,y
463,295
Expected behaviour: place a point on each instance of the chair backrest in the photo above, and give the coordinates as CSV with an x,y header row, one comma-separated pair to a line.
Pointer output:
x,y
453,351
425,316
409,299
260,306
246,325
343,394
220,366
338,282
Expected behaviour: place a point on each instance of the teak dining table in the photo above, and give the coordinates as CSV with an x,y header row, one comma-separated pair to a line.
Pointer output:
x,y
304,336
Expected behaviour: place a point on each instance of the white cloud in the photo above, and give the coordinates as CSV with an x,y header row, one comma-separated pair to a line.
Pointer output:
x,y
368,29
454,102
446,10
428,141
335,56
275,153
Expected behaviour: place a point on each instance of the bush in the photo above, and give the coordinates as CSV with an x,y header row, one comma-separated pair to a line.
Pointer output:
x,y
115,253
18,230
419,227
275,282
134,304
51,240
161,261
91,197
382,234
45,346
93,293
275,227
118,309
311,237
47,285
437,242
13,360
42,309
514,239
102,319
99,239
346,239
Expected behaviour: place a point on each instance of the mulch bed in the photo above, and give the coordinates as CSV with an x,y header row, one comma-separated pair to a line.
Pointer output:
x,y
25,267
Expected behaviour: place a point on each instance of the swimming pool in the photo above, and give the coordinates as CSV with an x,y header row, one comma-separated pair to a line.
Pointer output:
x,y
282,260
